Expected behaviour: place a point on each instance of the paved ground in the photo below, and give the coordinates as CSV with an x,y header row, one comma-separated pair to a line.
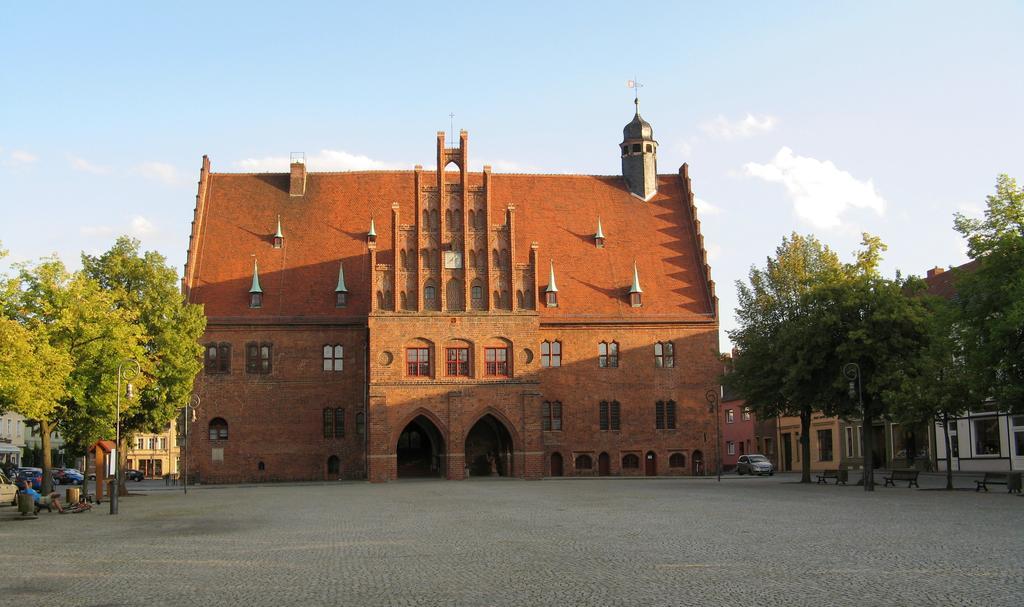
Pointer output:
x,y
762,541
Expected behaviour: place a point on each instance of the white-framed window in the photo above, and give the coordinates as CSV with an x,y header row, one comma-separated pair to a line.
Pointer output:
x,y
334,357
551,353
986,436
730,447
730,416
746,414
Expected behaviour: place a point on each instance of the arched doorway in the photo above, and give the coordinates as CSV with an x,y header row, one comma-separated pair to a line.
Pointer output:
x,y
604,465
698,463
651,464
333,467
489,448
556,464
420,450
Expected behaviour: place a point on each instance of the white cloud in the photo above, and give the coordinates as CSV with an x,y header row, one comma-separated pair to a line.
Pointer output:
x,y
23,157
820,191
750,125
159,171
706,208
141,226
83,165
324,160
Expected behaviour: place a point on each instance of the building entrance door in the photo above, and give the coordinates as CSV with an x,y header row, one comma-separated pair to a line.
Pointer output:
x,y
489,448
651,464
604,465
420,450
556,464
787,453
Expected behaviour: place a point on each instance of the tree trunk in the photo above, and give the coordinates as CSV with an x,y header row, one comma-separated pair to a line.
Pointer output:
x,y
805,444
44,437
867,433
122,457
949,452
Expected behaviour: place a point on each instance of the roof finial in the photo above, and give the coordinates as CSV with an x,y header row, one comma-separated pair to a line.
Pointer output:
x,y
552,287
600,232
278,234
255,288
341,279
636,281
635,85
373,230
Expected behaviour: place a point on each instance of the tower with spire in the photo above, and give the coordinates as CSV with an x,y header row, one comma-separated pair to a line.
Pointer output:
x,y
639,157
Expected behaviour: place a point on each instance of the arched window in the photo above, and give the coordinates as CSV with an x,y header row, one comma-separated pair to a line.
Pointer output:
x,y
425,254
334,357
435,259
434,219
477,295
457,218
609,415
551,353
677,460
496,361
584,462
328,423
218,429
429,294
630,460
608,354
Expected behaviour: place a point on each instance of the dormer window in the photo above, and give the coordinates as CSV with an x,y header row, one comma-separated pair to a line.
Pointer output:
x,y
255,300
278,235
635,300
552,299
278,242
340,300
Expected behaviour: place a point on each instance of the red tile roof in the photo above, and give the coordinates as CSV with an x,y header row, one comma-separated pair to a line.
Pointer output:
x,y
943,283
236,218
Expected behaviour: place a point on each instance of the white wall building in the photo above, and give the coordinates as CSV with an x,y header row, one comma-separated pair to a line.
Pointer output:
x,y
983,441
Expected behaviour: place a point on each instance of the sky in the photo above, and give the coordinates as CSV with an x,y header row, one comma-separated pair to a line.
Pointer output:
x,y
830,119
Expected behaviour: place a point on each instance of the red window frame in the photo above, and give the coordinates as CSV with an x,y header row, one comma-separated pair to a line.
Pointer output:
x,y
417,362
457,362
496,361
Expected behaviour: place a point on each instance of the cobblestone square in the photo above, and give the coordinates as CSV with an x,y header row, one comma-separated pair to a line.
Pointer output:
x,y
763,541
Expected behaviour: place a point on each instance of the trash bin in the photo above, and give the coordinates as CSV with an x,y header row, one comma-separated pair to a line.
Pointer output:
x,y
72,495
26,505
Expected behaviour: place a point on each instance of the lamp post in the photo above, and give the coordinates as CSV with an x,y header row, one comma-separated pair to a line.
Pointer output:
x,y
851,371
713,406
186,412
129,394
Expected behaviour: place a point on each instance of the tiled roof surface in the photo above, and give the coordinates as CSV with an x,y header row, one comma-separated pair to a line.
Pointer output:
x,y
329,223
943,284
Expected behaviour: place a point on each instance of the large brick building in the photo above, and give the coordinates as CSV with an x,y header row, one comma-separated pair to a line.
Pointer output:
x,y
440,322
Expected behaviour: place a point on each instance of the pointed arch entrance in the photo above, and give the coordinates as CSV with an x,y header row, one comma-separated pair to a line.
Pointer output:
x,y
420,451
489,448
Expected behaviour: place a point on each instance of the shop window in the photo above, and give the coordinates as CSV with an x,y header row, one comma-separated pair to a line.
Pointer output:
x,y
825,445
986,436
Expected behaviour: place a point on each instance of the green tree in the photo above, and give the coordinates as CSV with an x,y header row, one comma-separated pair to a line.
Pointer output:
x,y
769,371
991,297
77,322
146,287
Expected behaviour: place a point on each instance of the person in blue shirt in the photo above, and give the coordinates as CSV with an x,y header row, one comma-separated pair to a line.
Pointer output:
x,y
52,500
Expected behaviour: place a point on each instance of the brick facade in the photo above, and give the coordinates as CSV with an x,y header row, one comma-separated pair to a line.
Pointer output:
x,y
459,263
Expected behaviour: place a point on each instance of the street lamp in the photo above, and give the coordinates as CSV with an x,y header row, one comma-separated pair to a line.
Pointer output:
x,y
189,410
129,393
713,407
851,371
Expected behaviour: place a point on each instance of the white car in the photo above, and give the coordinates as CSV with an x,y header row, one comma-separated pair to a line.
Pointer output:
x,y
8,491
754,464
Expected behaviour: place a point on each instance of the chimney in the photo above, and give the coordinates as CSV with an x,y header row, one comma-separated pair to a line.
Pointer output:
x,y
297,185
935,271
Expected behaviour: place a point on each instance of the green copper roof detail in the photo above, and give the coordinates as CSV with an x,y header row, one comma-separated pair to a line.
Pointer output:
x,y
552,287
341,279
255,278
636,281
278,234
373,230
600,232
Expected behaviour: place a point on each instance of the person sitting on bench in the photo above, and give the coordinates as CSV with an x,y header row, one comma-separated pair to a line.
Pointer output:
x,y
40,500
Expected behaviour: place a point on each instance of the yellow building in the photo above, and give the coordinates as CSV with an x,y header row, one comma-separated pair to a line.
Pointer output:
x,y
155,455
837,443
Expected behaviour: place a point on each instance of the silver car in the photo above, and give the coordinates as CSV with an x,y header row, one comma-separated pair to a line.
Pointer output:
x,y
754,464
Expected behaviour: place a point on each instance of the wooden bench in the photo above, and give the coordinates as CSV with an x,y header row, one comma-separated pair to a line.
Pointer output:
x,y
994,478
903,475
840,476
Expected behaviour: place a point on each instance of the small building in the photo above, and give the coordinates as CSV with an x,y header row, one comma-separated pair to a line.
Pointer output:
x,y
155,455
739,435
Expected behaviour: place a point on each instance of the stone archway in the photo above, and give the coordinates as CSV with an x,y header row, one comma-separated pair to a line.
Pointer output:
x,y
489,448
420,452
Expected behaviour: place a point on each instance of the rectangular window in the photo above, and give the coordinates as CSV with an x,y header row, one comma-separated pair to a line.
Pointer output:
x,y
496,361
730,447
159,467
730,416
457,362
659,415
986,436
217,358
339,423
825,445
746,415
551,415
328,423
664,354
417,362
670,415
608,354
163,443
360,424
603,415
258,358
769,448
142,443
551,354
849,441
334,358
1018,439
614,417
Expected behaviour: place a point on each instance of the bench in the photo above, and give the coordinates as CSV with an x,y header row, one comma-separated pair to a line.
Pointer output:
x,y
840,476
995,478
903,475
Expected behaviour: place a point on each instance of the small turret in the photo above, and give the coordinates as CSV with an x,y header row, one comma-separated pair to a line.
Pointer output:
x,y
340,291
599,235
278,236
255,291
639,153
635,292
551,292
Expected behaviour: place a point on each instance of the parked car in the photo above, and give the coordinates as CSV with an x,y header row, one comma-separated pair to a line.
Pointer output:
x,y
754,464
68,476
32,475
134,475
8,490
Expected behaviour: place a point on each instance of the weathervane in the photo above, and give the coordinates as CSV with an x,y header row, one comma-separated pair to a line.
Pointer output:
x,y
635,85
